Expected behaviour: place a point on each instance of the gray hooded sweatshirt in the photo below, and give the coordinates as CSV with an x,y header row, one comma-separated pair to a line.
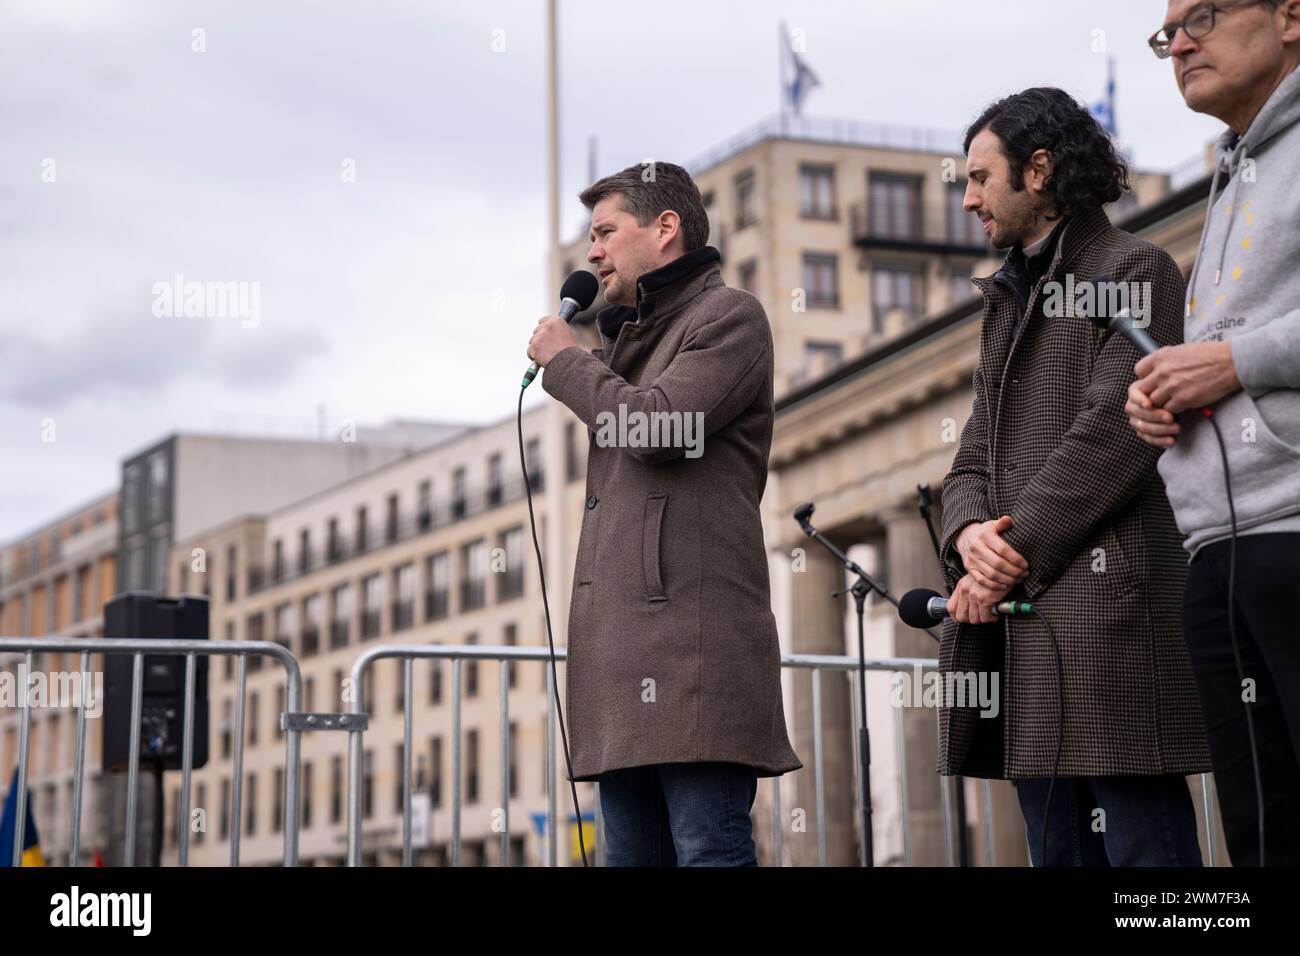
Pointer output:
x,y
1245,289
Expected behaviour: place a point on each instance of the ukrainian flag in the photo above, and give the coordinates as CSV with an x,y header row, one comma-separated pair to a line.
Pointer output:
x,y
31,841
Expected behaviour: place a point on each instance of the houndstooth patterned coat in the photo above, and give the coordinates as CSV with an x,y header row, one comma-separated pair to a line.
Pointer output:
x,y
1048,443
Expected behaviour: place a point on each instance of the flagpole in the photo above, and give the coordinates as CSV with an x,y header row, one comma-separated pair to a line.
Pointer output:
x,y
781,45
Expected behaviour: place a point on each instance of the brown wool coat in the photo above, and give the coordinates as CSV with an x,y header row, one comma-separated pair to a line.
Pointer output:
x,y
1048,443
671,579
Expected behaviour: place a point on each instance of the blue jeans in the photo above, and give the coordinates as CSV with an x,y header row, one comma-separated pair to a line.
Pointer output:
x,y
679,814
1149,821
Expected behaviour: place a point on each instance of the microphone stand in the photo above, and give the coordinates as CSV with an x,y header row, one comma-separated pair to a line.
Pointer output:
x,y
860,589
925,502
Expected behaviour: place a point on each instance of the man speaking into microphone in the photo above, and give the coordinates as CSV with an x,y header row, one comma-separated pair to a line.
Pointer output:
x,y
673,677
1052,499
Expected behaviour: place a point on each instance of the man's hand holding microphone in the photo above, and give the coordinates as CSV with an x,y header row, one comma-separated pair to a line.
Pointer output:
x,y
993,568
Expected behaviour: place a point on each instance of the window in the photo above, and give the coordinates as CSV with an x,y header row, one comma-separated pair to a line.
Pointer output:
x,y
157,484
572,465
512,772
368,785
511,639
251,800
435,682
510,583
437,586
471,766
435,773
311,622
533,458
458,507
252,719
340,616
362,538
894,206
471,670
399,698
816,191
304,551
277,804
399,762
746,200
896,287
230,573
333,546
80,590
254,632
130,495
284,625
225,809
229,658
494,481
404,600
963,227
336,789
309,695
473,575
306,794
425,506
372,590
227,727
277,560
391,523
821,279
747,273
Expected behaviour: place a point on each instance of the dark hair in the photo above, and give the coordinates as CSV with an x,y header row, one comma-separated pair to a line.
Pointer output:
x,y
648,189
1086,169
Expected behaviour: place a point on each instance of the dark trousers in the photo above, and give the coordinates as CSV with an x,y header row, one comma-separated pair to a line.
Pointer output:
x,y
1111,821
679,814
1268,634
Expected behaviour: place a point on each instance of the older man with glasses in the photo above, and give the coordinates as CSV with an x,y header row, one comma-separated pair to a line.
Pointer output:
x,y
1233,475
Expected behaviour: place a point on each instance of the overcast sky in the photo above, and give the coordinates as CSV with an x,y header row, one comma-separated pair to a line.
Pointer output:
x,y
127,158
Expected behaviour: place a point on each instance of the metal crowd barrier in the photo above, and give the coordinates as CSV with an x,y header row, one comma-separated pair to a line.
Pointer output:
x,y
817,664
355,723
190,649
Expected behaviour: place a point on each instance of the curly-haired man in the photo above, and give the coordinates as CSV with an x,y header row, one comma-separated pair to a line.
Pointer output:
x,y
1053,499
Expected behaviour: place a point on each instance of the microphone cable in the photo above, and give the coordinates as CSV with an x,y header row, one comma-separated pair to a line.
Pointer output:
x,y
1060,730
1232,632
550,640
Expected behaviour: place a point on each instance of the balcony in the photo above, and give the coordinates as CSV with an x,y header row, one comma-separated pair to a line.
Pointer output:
x,y
871,233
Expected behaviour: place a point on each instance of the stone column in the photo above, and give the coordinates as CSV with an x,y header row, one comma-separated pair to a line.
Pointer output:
x,y
817,627
910,563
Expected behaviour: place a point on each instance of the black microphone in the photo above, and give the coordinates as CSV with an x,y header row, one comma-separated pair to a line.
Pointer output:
x,y
1121,322
802,514
922,607
576,295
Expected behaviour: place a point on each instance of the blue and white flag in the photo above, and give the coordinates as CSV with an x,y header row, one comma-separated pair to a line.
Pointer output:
x,y
1103,111
798,86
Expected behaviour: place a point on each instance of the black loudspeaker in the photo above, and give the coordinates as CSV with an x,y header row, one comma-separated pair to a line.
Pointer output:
x,y
143,615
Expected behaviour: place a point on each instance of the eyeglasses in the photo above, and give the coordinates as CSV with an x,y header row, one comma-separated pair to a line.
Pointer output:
x,y
1196,25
